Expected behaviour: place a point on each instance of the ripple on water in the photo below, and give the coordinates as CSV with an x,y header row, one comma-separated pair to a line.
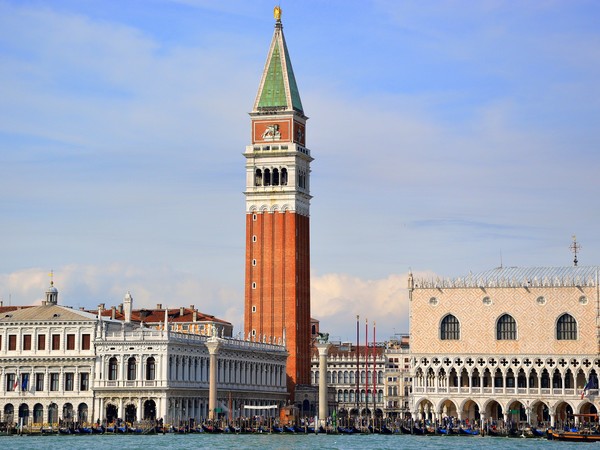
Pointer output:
x,y
275,442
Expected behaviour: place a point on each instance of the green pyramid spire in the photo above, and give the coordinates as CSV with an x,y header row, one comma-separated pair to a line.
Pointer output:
x,y
278,85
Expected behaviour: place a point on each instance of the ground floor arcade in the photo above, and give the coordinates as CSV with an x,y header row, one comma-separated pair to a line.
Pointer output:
x,y
507,412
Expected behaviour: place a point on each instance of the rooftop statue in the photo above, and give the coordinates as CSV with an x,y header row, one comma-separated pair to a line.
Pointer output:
x,y
323,338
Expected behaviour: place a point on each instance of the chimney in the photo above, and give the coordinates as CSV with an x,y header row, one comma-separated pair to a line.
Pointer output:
x,y
128,303
181,311
120,308
159,306
113,310
195,319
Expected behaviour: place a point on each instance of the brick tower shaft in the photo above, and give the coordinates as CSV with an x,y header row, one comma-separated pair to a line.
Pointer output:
x,y
277,292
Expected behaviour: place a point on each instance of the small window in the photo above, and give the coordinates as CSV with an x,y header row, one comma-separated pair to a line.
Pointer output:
x,y
54,381
583,300
12,342
253,285
254,262
69,381
39,382
253,332
10,381
254,238
486,301
70,342
253,309
541,300
433,301
56,342
41,342
26,342
254,217
85,342
84,381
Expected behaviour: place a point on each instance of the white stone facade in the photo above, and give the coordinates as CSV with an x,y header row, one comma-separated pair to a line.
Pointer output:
x,y
354,398
63,365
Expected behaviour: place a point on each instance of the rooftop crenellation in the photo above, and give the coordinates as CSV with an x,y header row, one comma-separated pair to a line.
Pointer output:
x,y
518,277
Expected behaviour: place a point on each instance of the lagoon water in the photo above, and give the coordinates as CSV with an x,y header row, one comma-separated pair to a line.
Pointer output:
x,y
277,441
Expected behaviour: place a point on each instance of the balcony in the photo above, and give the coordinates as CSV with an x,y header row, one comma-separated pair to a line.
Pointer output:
x,y
510,391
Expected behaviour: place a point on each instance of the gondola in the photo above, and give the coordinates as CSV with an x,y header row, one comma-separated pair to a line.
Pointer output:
x,y
212,429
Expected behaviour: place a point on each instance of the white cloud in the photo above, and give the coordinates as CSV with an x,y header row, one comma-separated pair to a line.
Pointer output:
x,y
89,285
338,298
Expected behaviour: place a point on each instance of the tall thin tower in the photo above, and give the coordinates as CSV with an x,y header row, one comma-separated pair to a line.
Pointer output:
x,y
277,297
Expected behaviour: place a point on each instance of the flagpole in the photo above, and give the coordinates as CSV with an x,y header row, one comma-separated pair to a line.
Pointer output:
x,y
357,366
367,368
374,375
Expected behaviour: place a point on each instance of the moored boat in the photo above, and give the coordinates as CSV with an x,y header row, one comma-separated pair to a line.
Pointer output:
x,y
573,436
211,429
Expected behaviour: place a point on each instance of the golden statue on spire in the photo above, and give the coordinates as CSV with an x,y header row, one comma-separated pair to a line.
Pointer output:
x,y
277,13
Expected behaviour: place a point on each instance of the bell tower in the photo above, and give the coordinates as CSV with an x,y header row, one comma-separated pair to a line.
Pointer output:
x,y
277,288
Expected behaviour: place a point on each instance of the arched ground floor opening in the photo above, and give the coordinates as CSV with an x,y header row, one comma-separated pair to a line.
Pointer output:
x,y
111,413
130,413
149,410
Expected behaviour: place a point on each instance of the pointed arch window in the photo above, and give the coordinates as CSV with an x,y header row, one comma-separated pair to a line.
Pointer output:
x,y
566,328
506,328
450,328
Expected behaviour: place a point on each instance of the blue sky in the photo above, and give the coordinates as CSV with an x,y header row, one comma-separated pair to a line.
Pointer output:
x,y
448,136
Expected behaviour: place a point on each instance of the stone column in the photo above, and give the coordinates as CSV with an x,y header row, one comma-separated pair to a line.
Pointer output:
x,y
213,347
482,423
140,413
323,348
101,410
